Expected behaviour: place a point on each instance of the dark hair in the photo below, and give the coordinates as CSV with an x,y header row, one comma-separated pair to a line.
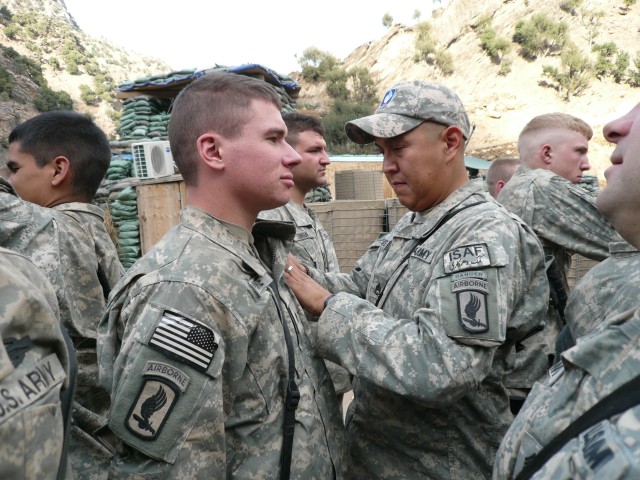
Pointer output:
x,y
216,101
72,135
300,122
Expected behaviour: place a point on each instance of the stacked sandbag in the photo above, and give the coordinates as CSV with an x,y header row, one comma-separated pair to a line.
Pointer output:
x,y
121,166
124,213
319,194
144,117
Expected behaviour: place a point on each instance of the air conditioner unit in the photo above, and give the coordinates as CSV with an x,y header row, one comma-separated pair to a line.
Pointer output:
x,y
152,159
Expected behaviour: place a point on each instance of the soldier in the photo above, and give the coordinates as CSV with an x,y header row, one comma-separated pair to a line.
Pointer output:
x,y
499,173
543,192
311,245
203,346
590,375
427,319
56,162
34,368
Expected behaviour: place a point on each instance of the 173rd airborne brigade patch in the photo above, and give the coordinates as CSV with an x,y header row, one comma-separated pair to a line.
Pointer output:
x,y
471,287
182,339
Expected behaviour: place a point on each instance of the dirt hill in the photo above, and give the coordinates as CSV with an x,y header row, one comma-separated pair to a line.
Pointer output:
x,y
500,105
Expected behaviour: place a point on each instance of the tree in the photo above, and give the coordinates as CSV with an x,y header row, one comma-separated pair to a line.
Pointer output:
x,y
387,20
315,64
576,74
495,46
540,36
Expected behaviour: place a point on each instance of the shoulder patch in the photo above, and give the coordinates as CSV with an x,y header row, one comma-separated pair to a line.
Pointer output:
x,y
472,310
184,339
423,254
466,257
151,408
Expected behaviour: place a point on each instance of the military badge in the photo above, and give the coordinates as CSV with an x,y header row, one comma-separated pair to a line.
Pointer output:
x,y
467,257
471,289
184,339
151,408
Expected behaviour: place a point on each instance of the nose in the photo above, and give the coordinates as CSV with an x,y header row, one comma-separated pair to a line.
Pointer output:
x,y
584,163
291,158
388,164
616,129
324,159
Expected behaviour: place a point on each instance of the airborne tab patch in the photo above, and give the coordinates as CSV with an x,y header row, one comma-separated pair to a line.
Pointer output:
x,y
151,409
184,339
467,257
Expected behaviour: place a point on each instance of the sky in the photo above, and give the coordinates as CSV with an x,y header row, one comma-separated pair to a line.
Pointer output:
x,y
200,34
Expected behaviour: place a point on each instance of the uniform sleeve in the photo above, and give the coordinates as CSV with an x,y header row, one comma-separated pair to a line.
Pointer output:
x,y
168,401
475,299
567,216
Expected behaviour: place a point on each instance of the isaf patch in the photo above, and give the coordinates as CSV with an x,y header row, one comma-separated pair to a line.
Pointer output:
x,y
151,408
184,339
472,289
467,257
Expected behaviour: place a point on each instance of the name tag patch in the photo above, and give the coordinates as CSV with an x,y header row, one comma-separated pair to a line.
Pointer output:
x,y
151,408
184,339
467,257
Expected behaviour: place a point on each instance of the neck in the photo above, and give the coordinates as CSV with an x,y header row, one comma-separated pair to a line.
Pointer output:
x,y
297,195
215,203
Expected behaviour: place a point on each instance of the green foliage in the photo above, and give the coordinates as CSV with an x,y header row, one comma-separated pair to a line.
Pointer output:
x,y
55,64
621,67
570,6
11,31
315,64
362,86
483,22
387,20
540,36
444,61
575,75
417,14
49,100
336,83
6,16
634,74
88,96
342,112
495,46
629,3
72,67
425,43
592,21
505,66
25,66
604,60
6,83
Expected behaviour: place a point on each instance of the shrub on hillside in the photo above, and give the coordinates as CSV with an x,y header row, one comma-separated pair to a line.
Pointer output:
x,y
6,84
495,46
342,112
540,36
316,64
49,100
574,76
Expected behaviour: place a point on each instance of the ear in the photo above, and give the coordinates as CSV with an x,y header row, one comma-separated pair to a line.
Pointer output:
x,y
545,153
454,140
61,170
499,185
210,148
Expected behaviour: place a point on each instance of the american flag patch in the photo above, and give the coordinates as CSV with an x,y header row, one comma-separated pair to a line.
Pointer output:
x,y
184,339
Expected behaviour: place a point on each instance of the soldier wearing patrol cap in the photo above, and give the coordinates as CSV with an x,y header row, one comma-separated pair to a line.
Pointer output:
x,y
34,367
427,320
583,421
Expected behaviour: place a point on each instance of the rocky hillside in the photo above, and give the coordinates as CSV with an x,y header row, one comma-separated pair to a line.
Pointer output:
x,y
40,36
501,103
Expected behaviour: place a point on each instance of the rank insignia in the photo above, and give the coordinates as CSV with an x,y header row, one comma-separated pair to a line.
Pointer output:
x,y
151,408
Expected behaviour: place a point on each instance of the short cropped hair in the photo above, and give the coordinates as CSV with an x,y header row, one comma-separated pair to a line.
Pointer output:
x,y
501,169
72,135
216,101
557,121
299,122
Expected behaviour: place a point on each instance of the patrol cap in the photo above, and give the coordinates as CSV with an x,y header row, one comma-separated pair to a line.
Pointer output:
x,y
406,106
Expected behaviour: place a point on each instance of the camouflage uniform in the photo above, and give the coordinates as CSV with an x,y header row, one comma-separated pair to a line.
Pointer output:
x,y
74,251
429,339
33,369
566,220
609,288
216,407
601,362
313,247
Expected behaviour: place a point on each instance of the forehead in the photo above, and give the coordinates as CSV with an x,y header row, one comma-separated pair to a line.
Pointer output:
x,y
310,137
